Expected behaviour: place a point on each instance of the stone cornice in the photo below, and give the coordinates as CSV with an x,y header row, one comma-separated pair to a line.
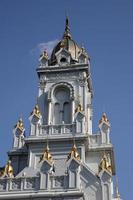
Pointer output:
x,y
51,69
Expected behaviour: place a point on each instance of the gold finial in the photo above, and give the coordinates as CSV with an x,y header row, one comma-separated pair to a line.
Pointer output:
x,y
20,125
7,171
47,155
104,119
117,189
44,55
67,33
36,112
105,163
79,108
74,153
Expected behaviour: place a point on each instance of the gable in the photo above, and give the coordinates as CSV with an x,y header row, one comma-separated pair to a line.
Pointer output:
x,y
91,184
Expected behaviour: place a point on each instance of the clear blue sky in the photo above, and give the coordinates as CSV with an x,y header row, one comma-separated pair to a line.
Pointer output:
x,y
106,29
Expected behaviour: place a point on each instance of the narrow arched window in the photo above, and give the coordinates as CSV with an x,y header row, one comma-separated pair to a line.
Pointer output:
x,y
62,106
66,114
56,113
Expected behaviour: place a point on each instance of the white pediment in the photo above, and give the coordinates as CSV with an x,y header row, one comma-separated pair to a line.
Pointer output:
x,y
63,57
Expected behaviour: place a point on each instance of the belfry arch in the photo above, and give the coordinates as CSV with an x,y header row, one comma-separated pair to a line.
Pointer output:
x,y
61,98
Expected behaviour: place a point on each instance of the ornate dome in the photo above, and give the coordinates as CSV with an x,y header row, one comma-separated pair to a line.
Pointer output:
x,y
67,43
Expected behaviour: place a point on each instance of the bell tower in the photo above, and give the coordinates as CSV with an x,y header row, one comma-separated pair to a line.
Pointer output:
x,y
61,158
65,92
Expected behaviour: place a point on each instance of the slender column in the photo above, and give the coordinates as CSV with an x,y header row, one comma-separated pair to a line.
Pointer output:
x,y
49,112
89,120
84,96
73,110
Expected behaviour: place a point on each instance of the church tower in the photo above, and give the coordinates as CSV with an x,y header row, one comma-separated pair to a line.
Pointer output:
x,y
61,158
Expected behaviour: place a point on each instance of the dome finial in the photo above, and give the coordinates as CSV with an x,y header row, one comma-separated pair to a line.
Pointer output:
x,y
67,33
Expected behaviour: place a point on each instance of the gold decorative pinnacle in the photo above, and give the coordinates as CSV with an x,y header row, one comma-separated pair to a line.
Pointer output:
x,y
7,171
36,112
74,153
47,156
104,119
105,164
20,125
79,108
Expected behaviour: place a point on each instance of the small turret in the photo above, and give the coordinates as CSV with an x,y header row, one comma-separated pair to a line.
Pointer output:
x,y
43,59
19,132
35,120
104,126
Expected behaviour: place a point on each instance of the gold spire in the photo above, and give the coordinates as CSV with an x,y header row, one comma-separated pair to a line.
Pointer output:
x,y
67,33
20,125
105,163
36,112
74,153
104,119
47,155
79,108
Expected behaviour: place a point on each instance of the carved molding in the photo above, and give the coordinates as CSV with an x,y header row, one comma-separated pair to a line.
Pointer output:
x,y
61,84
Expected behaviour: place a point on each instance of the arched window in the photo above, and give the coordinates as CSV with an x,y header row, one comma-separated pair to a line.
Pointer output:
x,y
62,106
56,113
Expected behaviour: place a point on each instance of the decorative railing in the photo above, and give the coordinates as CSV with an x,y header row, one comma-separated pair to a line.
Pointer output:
x,y
59,182
17,184
95,140
60,129
32,183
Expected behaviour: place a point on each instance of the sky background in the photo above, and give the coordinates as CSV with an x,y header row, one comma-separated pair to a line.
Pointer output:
x,y
105,28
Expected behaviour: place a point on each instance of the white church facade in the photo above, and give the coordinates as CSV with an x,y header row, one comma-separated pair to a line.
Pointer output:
x,y
61,158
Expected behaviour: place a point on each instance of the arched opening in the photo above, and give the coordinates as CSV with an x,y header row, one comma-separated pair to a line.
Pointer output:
x,y
66,114
56,113
62,105
63,60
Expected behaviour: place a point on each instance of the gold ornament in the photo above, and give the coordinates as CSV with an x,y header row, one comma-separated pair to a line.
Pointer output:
x,y
79,108
105,164
20,125
47,155
7,171
36,112
74,153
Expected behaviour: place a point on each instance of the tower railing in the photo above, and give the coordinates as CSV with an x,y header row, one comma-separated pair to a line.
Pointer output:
x,y
19,184
23,184
58,129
